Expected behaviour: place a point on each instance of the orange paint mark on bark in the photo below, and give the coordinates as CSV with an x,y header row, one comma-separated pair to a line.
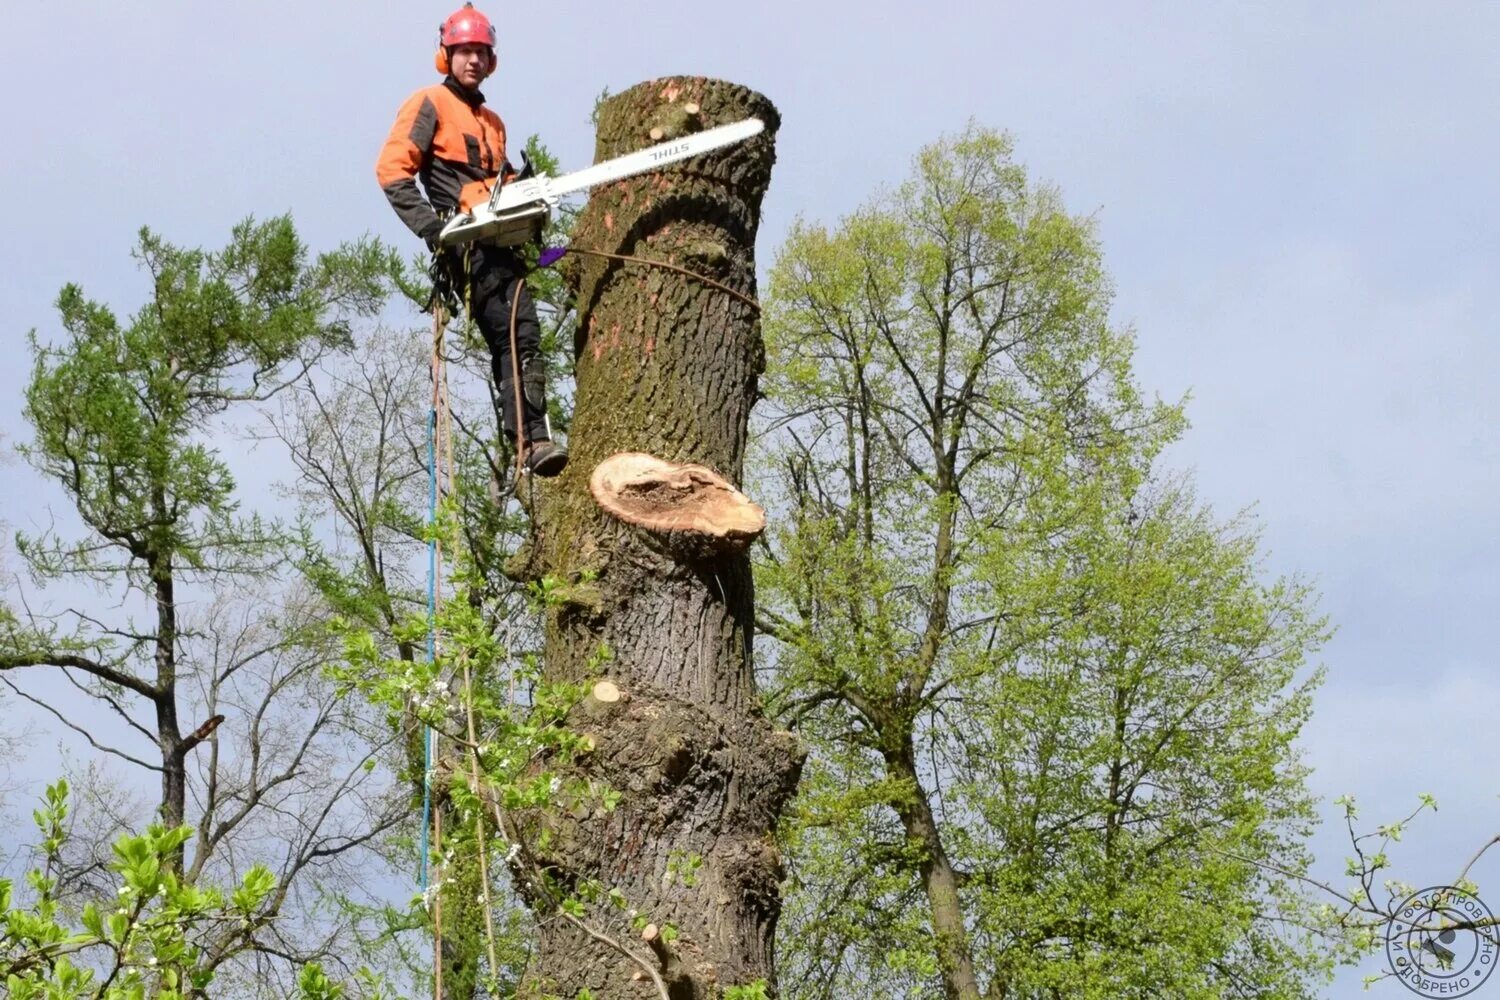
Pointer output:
x,y
609,222
670,92
602,344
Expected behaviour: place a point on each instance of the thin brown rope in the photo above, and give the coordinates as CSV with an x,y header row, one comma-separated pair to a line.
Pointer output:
x,y
515,374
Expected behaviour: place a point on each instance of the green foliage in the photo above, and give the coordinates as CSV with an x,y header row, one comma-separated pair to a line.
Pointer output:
x,y
119,409
1050,701
314,984
523,755
516,732
683,867
1362,911
142,943
750,991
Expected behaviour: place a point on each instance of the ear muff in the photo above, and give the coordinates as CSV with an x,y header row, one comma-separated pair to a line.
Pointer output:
x,y
442,65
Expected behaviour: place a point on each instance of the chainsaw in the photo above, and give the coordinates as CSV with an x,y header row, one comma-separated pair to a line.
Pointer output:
x,y
517,212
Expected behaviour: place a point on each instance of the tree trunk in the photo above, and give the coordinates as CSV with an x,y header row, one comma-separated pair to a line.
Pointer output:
x,y
939,880
667,365
168,728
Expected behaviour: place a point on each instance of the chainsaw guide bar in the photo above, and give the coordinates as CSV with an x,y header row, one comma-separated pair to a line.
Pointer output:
x,y
516,213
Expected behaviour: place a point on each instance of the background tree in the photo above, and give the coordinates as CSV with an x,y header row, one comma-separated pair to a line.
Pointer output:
x,y
1046,692
211,670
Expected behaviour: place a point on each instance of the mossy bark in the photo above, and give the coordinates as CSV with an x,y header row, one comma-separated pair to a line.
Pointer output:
x,y
666,365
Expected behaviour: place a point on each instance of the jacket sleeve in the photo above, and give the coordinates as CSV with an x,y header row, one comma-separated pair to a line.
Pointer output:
x,y
402,156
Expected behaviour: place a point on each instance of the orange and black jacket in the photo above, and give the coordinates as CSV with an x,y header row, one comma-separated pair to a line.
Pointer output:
x,y
448,138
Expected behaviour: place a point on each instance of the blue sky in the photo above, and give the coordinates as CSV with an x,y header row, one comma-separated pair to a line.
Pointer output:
x,y
1298,203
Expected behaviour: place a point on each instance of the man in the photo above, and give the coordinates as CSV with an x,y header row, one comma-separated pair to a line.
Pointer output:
x,y
447,138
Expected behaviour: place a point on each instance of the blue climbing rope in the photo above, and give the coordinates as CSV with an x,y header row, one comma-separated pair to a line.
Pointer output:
x,y
431,621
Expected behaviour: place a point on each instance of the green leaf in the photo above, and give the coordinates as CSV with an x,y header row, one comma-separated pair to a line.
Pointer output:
x,y
253,890
92,921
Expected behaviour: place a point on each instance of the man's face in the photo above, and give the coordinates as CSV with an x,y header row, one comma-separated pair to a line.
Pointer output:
x,y
470,64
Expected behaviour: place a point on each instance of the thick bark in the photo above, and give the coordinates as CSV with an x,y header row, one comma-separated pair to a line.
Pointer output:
x,y
667,365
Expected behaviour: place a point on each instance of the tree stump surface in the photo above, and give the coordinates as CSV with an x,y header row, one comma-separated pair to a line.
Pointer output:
x,y
677,498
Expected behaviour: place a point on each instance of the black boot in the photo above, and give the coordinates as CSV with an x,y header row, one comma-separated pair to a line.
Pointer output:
x,y
544,457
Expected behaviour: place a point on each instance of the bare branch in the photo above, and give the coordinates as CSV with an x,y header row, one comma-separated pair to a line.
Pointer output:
x,y
57,658
79,729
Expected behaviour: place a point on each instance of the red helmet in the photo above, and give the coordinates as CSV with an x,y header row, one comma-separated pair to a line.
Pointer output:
x,y
465,26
